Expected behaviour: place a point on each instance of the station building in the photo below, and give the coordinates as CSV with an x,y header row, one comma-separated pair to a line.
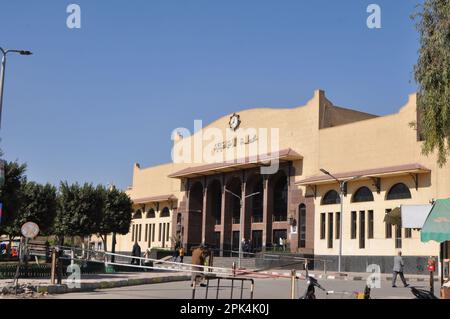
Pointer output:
x,y
380,157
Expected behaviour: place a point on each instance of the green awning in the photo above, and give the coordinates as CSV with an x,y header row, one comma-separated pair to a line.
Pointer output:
x,y
437,225
394,217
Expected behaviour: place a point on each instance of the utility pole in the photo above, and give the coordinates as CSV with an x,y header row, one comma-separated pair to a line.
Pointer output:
x,y
342,184
2,72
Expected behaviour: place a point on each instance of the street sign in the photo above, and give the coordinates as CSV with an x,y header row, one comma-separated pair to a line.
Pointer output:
x,y
30,230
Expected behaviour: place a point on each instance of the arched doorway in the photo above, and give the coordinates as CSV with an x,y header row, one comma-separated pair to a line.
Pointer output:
x,y
277,209
213,213
194,232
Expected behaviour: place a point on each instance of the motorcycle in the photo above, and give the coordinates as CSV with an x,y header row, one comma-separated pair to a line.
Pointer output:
x,y
312,284
422,293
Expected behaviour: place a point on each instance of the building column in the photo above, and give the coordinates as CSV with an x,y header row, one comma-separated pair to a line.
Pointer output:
x,y
265,211
244,219
222,221
204,212
185,221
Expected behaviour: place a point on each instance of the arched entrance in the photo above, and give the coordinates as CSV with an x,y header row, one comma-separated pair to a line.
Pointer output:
x,y
277,209
195,215
213,213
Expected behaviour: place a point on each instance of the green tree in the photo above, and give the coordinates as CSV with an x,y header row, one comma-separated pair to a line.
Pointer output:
x,y
116,215
11,196
39,205
432,73
79,211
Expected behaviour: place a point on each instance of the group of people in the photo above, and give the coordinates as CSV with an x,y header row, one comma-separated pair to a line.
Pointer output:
x,y
200,259
283,243
137,252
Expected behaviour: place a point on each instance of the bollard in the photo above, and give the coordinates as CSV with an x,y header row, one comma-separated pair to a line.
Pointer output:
x,y
234,269
53,269
293,277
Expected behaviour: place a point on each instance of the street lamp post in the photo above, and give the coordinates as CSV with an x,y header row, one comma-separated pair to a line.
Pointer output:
x,y
2,72
342,184
241,211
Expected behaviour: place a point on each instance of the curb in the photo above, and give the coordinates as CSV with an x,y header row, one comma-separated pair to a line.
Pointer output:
x,y
88,287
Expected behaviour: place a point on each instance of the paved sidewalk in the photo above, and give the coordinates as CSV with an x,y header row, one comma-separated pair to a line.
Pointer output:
x,y
101,281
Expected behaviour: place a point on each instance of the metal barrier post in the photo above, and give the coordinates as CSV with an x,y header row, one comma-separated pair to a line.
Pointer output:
x,y
306,267
218,284
207,287
232,287
252,289
194,284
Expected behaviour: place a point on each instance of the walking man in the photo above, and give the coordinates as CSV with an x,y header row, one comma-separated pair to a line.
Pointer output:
x,y
398,270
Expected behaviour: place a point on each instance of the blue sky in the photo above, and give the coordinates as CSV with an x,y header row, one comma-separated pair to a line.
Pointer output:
x,y
91,102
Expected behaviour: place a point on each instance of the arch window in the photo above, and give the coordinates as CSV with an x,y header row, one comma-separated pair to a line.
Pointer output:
x,y
151,213
363,194
137,214
398,191
331,197
165,212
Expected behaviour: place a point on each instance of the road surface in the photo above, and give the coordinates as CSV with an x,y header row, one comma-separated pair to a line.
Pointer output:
x,y
264,289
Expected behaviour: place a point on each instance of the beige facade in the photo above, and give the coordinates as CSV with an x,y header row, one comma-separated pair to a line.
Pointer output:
x,y
385,150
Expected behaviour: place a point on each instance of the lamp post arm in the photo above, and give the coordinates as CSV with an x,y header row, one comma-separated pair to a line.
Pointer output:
x,y
254,194
237,196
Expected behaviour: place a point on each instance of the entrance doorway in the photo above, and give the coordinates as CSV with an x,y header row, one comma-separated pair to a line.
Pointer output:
x,y
277,234
217,243
235,241
257,240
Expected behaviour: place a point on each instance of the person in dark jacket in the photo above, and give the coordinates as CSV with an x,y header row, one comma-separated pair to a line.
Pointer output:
x,y
136,252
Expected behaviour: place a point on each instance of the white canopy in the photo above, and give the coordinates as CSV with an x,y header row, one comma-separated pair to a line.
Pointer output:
x,y
414,216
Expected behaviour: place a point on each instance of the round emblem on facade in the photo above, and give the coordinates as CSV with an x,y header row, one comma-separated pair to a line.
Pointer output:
x,y
235,121
30,230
